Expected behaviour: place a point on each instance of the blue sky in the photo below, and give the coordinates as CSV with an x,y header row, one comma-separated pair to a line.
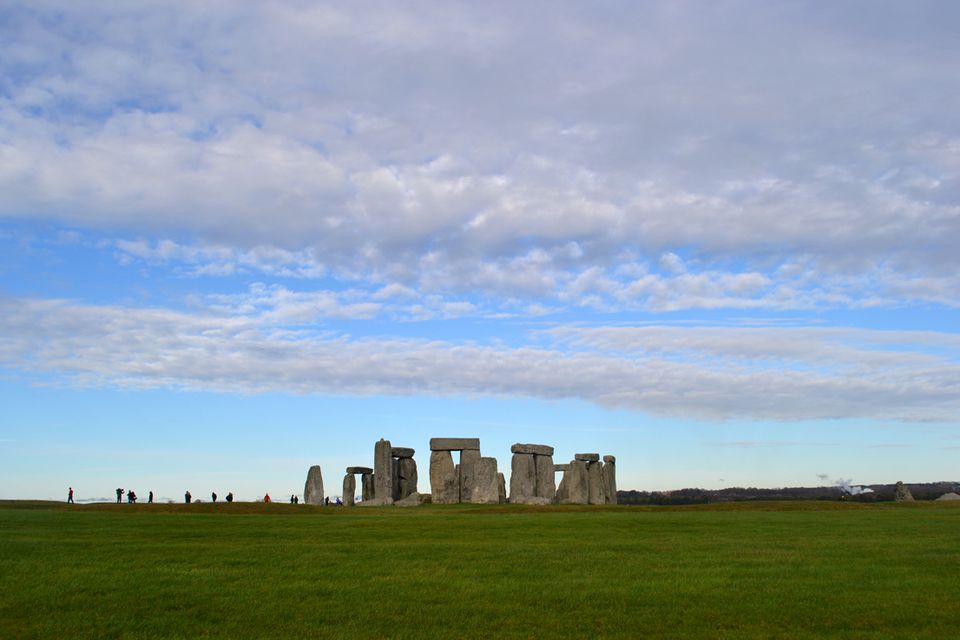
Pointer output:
x,y
718,241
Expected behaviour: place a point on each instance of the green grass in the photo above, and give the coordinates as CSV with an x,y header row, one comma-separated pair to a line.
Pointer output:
x,y
747,570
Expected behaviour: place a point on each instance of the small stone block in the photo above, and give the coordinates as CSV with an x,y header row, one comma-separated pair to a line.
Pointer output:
x,y
612,459
536,449
402,452
587,457
560,467
454,444
360,470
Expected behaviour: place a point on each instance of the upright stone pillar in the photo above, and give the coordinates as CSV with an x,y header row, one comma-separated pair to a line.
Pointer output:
x,y
575,484
367,485
469,463
383,472
595,494
349,489
546,482
523,478
610,479
313,489
444,488
501,488
407,477
487,490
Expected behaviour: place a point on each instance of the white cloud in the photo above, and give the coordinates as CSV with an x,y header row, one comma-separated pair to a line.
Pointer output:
x,y
705,372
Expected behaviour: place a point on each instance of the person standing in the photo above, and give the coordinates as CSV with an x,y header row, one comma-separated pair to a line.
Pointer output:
x,y
150,498
187,497
230,497
119,495
266,498
70,495
213,496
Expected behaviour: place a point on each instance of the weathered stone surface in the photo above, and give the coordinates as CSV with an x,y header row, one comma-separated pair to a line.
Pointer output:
x,y
532,500
313,489
383,471
501,488
395,483
469,464
575,485
609,481
367,484
901,493
359,470
523,477
413,500
376,502
487,490
560,467
949,496
587,457
349,489
609,458
563,491
406,477
402,452
546,484
454,444
536,449
444,488
595,483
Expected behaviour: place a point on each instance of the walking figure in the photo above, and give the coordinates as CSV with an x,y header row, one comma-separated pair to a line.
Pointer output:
x,y
150,498
213,496
70,496
132,496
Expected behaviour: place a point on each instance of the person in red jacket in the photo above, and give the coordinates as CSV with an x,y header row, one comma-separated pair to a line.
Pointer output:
x,y
266,498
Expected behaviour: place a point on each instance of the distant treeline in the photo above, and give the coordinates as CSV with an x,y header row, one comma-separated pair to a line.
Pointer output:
x,y
878,493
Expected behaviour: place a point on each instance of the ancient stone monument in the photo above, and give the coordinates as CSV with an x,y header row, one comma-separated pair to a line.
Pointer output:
x,y
901,493
313,489
531,474
404,472
350,484
383,472
475,479
586,480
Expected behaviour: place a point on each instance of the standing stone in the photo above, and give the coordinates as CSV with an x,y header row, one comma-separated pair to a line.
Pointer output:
x,y
501,488
383,472
563,489
487,490
349,489
395,472
469,463
313,489
610,479
595,483
576,484
546,485
368,486
444,488
901,493
406,477
523,477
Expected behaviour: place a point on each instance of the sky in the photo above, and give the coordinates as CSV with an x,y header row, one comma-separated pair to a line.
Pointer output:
x,y
720,241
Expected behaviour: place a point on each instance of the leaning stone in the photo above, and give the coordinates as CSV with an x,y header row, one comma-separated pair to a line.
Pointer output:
x,y
402,452
577,484
469,463
368,485
560,467
383,471
523,477
609,480
407,478
536,449
349,489
546,484
444,488
595,483
359,470
487,489
454,444
501,488
412,500
587,457
313,489
901,493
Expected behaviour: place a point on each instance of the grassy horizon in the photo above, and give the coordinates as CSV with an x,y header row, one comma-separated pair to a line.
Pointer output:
x,y
733,570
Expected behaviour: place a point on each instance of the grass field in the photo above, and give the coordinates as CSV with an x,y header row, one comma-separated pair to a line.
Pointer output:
x,y
747,570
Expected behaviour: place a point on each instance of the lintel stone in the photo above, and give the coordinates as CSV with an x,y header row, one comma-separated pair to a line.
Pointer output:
x,y
454,444
610,459
360,470
560,467
587,457
402,452
537,449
